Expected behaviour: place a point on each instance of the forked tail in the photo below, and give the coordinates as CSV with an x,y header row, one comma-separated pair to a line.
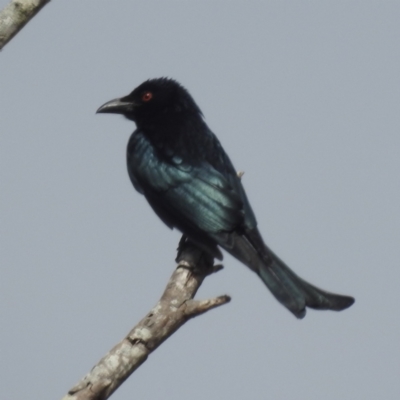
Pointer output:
x,y
289,289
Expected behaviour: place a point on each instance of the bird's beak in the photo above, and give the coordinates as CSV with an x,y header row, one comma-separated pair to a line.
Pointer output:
x,y
117,106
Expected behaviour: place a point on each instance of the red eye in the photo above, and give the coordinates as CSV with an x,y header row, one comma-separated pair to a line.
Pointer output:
x,y
147,96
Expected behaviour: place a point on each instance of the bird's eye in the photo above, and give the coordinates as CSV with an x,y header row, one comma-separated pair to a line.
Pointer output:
x,y
147,96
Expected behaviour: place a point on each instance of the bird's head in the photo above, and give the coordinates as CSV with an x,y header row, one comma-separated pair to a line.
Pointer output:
x,y
155,100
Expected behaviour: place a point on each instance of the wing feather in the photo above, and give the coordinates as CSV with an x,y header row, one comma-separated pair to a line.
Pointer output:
x,y
183,194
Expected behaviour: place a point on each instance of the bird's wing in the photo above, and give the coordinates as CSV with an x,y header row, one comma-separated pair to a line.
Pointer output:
x,y
186,196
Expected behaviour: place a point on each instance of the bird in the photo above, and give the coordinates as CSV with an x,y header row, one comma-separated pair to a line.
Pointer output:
x,y
179,165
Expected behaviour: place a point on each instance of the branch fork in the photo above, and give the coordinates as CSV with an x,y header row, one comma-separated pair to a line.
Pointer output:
x,y
176,306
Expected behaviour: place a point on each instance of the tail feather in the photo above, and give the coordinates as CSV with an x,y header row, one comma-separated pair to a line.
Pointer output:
x,y
284,289
315,297
289,289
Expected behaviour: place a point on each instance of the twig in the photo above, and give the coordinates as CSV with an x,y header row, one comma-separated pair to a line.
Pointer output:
x,y
15,15
175,307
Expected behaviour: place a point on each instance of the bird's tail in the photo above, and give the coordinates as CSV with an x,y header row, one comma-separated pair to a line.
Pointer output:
x,y
289,289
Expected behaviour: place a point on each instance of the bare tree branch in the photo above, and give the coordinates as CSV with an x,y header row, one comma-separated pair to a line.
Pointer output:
x,y
15,15
175,307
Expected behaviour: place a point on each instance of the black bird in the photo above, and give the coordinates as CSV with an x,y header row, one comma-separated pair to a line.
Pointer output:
x,y
179,165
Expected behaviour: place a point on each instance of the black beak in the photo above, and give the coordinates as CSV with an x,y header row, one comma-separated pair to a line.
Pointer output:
x,y
117,106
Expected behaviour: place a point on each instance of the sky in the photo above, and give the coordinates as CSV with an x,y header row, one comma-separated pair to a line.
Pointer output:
x,y
304,97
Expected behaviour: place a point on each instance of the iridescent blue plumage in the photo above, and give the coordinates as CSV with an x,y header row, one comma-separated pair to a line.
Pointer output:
x,y
179,165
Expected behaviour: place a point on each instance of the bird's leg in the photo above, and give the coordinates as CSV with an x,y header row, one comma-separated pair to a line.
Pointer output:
x,y
190,256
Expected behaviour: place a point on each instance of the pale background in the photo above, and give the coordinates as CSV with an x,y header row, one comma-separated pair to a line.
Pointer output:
x,y
305,98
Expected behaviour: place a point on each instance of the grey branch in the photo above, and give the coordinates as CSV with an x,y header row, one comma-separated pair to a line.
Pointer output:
x,y
15,15
175,307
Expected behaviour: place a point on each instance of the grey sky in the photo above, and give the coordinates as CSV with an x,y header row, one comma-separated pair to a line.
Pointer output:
x,y
304,97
